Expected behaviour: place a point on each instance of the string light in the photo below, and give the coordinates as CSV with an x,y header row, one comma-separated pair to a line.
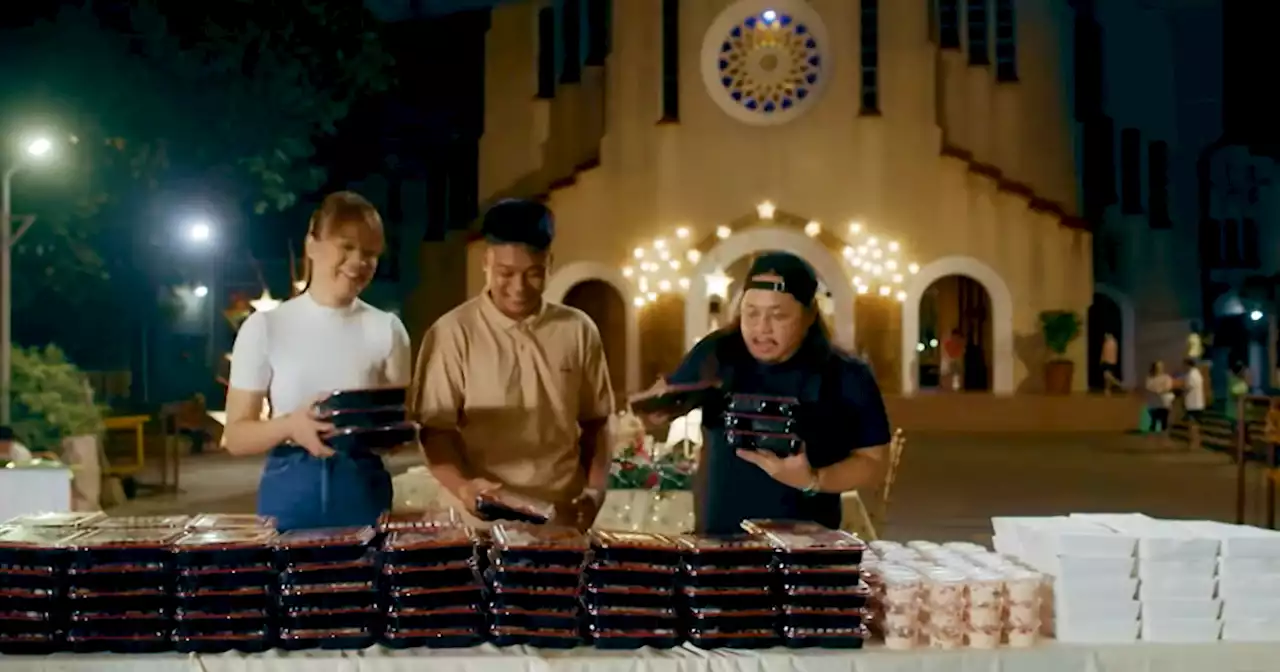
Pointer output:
x,y
766,210
812,229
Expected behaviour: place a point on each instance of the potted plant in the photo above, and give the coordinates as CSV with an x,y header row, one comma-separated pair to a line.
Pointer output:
x,y
1060,328
52,405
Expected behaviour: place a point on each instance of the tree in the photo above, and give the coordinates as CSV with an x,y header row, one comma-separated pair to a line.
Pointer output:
x,y
167,105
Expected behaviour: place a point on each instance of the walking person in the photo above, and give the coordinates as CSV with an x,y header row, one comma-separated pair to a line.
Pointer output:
x,y
1159,402
1193,401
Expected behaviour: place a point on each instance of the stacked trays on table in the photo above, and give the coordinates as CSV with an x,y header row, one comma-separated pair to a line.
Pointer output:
x,y
119,590
435,594
726,593
820,589
32,571
328,589
629,590
225,590
534,578
754,422
231,521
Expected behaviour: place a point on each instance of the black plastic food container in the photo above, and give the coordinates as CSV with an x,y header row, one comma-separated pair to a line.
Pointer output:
x,y
341,544
358,400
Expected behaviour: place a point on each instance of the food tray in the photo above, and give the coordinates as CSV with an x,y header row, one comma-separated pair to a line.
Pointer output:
x,y
534,619
539,545
674,400
329,573
28,622
337,544
452,574
767,424
818,577
428,546
804,618
224,547
142,522
782,445
124,547
534,599
17,600
760,576
192,623
258,641
249,576
762,526
523,576
152,642
359,439
826,548
733,620
227,521
634,639
35,546
367,419
627,597
75,519
649,576
329,596
761,639
623,619
227,600
28,644
343,639
734,550
110,624
144,599
755,404
539,639
842,638
331,619
29,578
436,598
450,638
727,598
391,521
469,617
634,548
504,505
116,578
357,400
850,597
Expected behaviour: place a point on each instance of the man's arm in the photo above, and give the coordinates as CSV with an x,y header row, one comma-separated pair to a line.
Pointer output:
x,y
595,407
438,394
864,467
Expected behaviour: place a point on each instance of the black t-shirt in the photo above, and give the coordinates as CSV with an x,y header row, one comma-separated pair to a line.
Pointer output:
x,y
845,413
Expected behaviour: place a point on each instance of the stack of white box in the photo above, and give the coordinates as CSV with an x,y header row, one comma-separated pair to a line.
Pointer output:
x,y
1248,567
1177,577
1093,568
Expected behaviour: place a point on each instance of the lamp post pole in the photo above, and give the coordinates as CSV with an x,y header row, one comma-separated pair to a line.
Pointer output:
x,y
6,293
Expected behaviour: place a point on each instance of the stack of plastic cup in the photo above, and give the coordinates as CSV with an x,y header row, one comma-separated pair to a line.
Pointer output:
x,y
1023,590
945,603
985,617
898,605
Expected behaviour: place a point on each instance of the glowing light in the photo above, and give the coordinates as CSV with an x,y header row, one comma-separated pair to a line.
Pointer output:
x,y
919,347
664,254
897,277
1255,315
812,229
891,265
766,210
39,147
200,291
884,290
855,228
901,296
639,253
638,302
769,16
627,271
652,296
693,256
933,342
893,246
264,303
862,289
659,244
723,232
718,284
684,283
673,265
849,252
200,232
913,268
873,241
664,285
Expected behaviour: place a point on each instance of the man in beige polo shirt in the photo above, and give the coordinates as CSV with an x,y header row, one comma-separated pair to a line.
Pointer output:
x,y
513,391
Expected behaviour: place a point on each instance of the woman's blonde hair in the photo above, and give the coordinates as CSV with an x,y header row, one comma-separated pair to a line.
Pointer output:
x,y
339,209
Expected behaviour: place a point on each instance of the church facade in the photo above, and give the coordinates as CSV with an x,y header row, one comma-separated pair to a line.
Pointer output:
x,y
920,154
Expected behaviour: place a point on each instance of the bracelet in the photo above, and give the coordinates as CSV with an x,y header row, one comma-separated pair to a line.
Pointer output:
x,y
812,488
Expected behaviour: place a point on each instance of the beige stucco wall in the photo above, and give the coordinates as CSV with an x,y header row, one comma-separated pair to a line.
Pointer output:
x,y
829,164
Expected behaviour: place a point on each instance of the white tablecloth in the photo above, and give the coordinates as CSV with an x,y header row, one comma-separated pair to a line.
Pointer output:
x,y
1049,657
33,490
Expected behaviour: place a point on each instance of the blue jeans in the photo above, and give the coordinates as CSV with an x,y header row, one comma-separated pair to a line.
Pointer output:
x,y
304,492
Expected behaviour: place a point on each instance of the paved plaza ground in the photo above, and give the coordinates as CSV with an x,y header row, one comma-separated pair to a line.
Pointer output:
x,y
948,486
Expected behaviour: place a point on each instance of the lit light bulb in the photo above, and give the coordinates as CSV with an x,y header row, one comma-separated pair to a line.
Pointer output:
x,y
933,342
718,285
884,290
682,233
902,296
664,285
919,347
897,277
765,210
638,302
857,263
849,252
693,256
862,249
652,296
862,289
664,255
659,244
627,271
674,265
873,241
877,253
855,227
812,229
644,284
684,283
723,232
857,281
893,246
891,265
913,268
639,253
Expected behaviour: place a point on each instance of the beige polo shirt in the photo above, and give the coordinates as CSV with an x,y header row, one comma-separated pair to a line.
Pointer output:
x,y
516,391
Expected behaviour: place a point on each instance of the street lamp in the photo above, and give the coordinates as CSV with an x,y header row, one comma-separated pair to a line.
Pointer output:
x,y
200,291
200,231
33,149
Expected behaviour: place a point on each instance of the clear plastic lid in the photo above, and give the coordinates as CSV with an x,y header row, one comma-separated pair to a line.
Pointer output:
x,y
142,522
946,575
37,537
415,520
320,538
154,537
245,537
766,525
528,506
633,540
967,547
428,538
58,519
524,537
695,543
231,521
825,541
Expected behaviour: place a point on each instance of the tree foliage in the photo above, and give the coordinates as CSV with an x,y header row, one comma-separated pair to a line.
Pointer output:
x,y
51,399
165,102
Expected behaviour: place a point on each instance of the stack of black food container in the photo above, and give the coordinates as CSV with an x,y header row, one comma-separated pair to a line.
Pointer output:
x,y
367,421
534,584
727,594
754,422
819,588
226,585
329,595
434,592
33,563
120,587
629,590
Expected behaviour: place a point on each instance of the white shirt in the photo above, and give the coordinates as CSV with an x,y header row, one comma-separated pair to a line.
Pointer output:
x,y
19,452
1194,385
303,349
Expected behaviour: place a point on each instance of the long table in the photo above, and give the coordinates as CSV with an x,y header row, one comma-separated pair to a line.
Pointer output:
x,y
1047,657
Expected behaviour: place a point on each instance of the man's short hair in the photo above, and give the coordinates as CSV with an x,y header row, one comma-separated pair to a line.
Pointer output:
x,y
519,222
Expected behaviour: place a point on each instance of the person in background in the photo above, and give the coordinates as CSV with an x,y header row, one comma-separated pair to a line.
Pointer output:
x,y
1109,365
778,346
11,450
953,361
1192,386
1159,400
1237,389
512,390
322,340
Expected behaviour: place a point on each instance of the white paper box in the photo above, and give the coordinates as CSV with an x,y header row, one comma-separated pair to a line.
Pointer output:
x,y
1165,609
1248,566
1255,609
1158,538
1158,570
1095,588
1072,566
1094,631
1182,630
1260,630
1239,586
1049,537
1238,540
1192,588
1075,609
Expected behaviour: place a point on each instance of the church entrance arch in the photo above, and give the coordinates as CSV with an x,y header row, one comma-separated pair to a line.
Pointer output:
x,y
605,295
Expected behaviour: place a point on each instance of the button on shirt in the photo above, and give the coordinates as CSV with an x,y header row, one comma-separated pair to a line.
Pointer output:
x,y
517,391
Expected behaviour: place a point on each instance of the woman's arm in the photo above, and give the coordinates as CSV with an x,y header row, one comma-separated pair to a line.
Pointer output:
x,y
246,432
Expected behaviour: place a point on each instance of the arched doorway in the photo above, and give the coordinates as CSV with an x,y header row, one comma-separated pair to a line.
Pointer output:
x,y
1105,317
624,367
606,307
954,336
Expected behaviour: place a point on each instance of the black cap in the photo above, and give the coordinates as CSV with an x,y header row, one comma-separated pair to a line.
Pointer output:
x,y
520,222
6,433
798,277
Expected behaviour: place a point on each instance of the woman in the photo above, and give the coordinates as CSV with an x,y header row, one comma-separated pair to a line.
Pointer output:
x,y
1237,389
325,339
1159,399
778,346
